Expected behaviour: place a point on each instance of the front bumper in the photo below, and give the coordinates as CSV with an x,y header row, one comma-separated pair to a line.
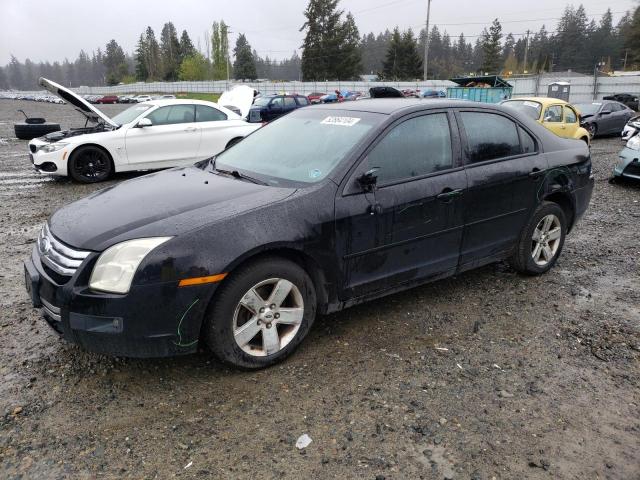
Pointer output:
x,y
54,163
155,320
628,164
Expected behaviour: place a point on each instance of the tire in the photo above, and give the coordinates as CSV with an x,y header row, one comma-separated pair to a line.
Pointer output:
x,y
34,120
228,314
232,142
592,128
522,259
90,164
27,131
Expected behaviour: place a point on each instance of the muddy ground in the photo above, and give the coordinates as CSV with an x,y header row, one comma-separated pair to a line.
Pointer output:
x,y
486,375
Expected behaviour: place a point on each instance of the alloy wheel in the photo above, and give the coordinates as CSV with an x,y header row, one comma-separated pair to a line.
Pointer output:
x,y
546,240
268,317
92,165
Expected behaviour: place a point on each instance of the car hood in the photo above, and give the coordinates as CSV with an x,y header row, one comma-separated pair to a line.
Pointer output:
x,y
168,203
84,107
240,96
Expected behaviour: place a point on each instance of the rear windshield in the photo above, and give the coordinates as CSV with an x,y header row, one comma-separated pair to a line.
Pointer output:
x,y
301,147
130,114
528,107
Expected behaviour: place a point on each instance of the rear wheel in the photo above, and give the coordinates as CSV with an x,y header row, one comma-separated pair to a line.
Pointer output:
x,y
541,241
90,165
261,313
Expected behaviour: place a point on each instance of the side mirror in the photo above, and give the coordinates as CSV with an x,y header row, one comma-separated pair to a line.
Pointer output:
x,y
368,179
144,122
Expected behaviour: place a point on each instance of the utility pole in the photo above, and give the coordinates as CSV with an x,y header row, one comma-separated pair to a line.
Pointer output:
x,y
426,43
526,52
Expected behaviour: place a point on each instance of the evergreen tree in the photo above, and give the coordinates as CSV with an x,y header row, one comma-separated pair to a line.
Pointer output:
x,y
4,81
142,72
632,39
410,61
244,66
349,63
491,62
170,51
321,47
186,47
152,55
114,62
391,68
15,73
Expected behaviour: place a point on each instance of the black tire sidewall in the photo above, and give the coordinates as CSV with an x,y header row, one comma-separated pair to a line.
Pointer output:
x,y
80,151
592,128
218,328
525,260
29,131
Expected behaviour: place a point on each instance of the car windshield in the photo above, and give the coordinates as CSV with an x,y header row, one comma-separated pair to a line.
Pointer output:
x,y
130,114
322,139
528,107
588,108
262,101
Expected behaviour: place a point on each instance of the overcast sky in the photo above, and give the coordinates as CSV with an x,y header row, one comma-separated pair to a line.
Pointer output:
x,y
52,30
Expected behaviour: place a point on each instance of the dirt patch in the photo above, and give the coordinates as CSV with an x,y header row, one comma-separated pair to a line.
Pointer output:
x,y
487,375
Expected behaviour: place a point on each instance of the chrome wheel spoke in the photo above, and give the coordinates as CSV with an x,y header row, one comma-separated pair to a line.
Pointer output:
x,y
536,252
548,254
536,235
554,234
247,332
252,301
270,340
290,316
280,292
547,223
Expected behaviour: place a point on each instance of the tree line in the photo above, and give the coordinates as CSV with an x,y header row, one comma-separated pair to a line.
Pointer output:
x,y
334,50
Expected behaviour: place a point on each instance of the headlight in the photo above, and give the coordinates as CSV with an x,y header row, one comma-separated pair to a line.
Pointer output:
x,y
53,147
116,266
634,143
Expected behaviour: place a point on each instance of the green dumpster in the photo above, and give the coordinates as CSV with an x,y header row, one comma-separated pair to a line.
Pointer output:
x,y
486,89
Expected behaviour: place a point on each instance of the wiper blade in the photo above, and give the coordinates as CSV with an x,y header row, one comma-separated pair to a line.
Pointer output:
x,y
237,174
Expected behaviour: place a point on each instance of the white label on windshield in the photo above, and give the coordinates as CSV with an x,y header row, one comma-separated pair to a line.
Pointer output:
x,y
342,121
531,104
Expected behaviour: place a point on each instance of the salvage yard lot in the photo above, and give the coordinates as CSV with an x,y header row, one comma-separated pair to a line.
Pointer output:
x,y
486,375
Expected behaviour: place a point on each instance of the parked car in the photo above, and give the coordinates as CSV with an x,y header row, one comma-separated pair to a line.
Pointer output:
x,y
165,97
631,129
314,97
560,117
107,99
627,99
628,165
143,98
430,93
270,107
125,99
242,251
604,117
156,134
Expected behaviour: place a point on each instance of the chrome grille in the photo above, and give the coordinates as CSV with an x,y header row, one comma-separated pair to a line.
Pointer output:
x,y
57,256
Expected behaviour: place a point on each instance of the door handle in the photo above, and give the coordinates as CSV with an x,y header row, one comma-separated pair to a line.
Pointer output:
x,y
535,173
190,129
448,194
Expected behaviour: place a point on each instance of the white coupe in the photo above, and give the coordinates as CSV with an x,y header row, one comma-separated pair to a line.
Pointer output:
x,y
146,136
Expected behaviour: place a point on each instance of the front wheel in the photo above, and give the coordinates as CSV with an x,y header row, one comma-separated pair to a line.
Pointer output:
x,y
90,165
261,313
592,128
541,241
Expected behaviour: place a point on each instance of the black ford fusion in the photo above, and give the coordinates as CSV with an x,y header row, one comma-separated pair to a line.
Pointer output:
x,y
324,208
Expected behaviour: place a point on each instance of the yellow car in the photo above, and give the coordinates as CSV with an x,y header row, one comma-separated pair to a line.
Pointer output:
x,y
560,117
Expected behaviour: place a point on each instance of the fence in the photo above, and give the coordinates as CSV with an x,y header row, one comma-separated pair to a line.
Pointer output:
x,y
583,88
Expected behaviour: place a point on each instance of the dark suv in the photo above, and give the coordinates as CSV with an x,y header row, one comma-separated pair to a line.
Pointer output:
x,y
270,107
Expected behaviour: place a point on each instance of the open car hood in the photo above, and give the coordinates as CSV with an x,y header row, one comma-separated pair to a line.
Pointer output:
x,y
240,97
84,107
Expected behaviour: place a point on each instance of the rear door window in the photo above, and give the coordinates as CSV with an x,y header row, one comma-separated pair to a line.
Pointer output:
x,y
289,102
302,100
418,146
489,136
209,114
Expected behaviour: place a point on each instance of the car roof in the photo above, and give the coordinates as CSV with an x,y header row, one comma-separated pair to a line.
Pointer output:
x,y
390,106
543,100
161,102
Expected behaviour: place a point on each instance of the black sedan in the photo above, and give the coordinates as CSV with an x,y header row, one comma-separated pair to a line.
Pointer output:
x,y
242,251
604,117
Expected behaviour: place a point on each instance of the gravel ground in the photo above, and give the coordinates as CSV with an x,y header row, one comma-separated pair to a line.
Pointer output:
x,y
488,375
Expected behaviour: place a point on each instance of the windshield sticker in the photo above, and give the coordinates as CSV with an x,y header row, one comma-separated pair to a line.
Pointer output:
x,y
315,173
342,121
531,104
